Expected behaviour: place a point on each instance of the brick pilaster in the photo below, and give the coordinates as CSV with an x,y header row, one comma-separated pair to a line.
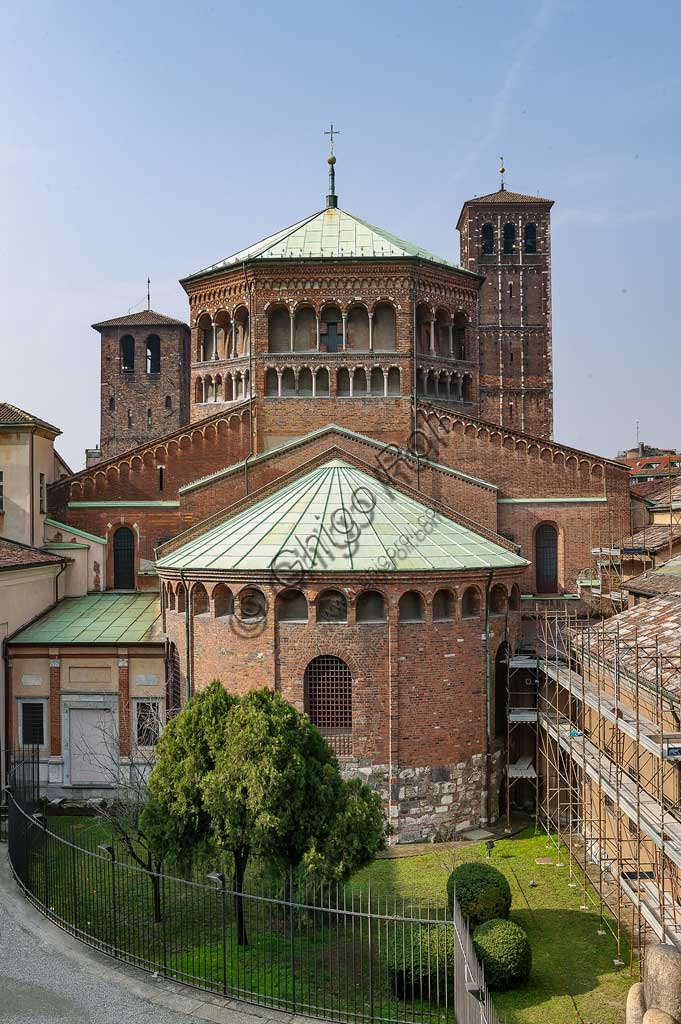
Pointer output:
x,y
124,707
54,707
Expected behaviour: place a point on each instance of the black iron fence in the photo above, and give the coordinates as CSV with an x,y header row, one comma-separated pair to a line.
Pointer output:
x,y
327,952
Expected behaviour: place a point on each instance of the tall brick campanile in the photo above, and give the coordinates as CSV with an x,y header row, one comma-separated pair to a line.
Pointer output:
x,y
506,237
144,379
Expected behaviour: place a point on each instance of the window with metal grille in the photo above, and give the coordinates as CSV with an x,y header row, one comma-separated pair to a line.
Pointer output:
x,y
147,722
328,700
546,559
32,723
41,491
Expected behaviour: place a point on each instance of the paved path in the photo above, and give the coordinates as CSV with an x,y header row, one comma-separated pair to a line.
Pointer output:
x,y
48,977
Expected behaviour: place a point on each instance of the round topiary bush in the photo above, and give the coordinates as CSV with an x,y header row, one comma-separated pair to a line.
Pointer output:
x,y
505,951
482,892
417,957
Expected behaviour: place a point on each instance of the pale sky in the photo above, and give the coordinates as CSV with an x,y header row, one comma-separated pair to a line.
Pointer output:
x,y
156,138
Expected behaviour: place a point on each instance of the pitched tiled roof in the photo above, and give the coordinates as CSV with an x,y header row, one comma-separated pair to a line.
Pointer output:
x,y
651,538
147,318
503,196
11,414
98,619
14,555
327,234
655,583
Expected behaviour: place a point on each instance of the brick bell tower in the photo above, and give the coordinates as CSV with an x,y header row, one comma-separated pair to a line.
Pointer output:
x,y
506,237
144,380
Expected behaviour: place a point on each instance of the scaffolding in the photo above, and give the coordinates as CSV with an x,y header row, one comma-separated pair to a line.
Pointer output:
x,y
606,728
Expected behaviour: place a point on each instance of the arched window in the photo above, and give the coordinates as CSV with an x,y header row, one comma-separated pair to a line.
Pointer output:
x,y
322,381
343,382
470,604
359,381
358,328
112,404
305,381
153,354
460,324
128,353
546,558
291,606
497,600
509,238
332,607
487,240
394,380
181,598
252,604
530,238
129,418
514,602
271,383
168,403
331,330
370,607
124,559
377,381
288,382
500,691
279,330
384,328
411,607
199,600
170,598
328,700
444,606
204,329
305,330
223,602
149,418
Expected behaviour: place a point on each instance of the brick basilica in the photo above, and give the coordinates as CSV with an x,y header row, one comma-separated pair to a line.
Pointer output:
x,y
340,477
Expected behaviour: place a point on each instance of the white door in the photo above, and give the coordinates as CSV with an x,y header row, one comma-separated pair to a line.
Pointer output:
x,y
92,746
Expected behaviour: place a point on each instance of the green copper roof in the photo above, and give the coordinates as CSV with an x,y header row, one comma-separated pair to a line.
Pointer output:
x,y
339,519
329,234
98,619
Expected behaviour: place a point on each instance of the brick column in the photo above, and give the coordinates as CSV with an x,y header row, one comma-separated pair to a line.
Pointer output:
x,y
54,707
123,707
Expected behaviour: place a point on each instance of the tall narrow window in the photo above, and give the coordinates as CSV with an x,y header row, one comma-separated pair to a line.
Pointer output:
x,y
112,404
509,238
124,559
546,559
41,491
148,419
153,354
487,240
147,722
127,353
530,238
169,403
129,417
160,478
32,723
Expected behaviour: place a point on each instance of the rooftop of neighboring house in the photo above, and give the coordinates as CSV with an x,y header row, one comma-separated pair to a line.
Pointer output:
x,y
14,555
12,416
98,619
664,580
650,539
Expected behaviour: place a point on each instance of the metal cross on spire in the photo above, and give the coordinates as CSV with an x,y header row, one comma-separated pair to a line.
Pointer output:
x,y
502,171
332,131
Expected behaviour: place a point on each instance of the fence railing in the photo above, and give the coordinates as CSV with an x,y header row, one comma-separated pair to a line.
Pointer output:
x,y
329,952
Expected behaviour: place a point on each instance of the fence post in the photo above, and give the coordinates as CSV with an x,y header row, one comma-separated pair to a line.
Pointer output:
x,y
41,826
292,937
371,955
219,879
110,851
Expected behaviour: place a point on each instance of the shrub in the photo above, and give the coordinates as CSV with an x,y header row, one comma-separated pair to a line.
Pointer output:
x,y
419,959
505,951
482,892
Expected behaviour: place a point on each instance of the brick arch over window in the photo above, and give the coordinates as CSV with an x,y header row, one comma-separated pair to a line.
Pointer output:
x,y
328,700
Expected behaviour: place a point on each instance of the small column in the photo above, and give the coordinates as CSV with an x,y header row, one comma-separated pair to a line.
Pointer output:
x,y
296,373
124,707
431,340
203,391
352,378
314,381
317,318
385,383
215,342
450,326
292,321
279,374
371,332
54,706
345,331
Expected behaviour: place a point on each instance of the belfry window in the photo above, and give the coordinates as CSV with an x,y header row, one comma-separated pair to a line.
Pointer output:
x,y
127,353
153,354
509,238
487,240
530,238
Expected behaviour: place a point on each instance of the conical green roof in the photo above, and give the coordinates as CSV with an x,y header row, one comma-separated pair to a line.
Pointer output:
x,y
329,234
339,519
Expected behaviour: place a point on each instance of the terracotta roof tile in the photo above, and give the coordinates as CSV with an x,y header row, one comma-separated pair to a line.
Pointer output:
x,y
147,318
10,414
14,555
652,538
503,196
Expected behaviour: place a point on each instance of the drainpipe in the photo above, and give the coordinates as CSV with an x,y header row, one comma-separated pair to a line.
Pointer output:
x,y
488,697
56,582
251,332
415,377
30,459
187,685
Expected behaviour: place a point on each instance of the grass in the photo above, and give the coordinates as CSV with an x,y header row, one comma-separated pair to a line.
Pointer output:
x,y
573,981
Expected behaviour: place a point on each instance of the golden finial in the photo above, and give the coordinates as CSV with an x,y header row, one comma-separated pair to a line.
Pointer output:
x,y
502,171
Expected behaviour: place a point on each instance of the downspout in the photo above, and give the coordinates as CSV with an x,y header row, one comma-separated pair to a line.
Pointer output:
x,y
56,582
251,326
414,379
488,698
187,660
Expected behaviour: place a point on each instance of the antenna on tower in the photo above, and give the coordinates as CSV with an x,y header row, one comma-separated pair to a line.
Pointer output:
x,y
148,293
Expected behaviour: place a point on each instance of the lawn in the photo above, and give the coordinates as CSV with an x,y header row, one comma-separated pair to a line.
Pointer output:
x,y
574,979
